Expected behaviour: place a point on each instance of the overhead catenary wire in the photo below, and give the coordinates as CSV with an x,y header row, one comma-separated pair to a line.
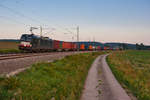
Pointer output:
x,y
29,18
9,18
20,14
13,20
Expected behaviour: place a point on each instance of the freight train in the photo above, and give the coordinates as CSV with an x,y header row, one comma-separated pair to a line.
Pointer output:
x,y
34,43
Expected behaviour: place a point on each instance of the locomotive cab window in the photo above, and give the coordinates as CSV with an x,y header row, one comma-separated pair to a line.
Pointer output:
x,y
26,37
23,38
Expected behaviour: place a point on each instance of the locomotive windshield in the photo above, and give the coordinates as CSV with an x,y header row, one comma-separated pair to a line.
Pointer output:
x,y
26,37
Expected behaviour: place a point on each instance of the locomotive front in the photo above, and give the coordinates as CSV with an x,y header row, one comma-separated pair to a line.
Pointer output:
x,y
25,42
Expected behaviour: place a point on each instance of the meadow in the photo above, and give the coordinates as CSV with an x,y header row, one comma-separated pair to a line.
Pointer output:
x,y
9,47
132,70
59,80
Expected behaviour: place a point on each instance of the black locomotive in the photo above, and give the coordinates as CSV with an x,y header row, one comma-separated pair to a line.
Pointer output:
x,y
34,43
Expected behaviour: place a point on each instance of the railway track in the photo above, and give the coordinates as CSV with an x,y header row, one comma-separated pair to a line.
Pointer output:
x,y
15,56
23,55
16,62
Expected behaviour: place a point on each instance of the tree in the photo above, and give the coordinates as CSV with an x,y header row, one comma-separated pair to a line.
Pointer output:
x,y
123,46
142,46
137,46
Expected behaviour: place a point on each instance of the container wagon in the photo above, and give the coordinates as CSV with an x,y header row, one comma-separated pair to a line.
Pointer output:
x,y
90,47
82,47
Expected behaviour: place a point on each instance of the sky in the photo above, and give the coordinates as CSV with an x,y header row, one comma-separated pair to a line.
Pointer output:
x,y
100,20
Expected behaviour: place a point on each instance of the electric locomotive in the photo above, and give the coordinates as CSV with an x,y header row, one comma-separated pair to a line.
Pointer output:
x,y
34,43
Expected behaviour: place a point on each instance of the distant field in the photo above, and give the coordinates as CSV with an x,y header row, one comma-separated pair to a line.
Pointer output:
x,y
8,45
132,69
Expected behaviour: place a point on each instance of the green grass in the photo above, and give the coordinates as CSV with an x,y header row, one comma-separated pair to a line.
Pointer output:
x,y
5,51
60,80
132,69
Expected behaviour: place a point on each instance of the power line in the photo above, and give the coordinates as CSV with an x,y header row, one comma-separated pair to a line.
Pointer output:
x,y
18,13
18,22
27,17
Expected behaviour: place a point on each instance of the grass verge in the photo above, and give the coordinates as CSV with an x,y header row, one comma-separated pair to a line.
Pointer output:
x,y
132,70
60,80
6,51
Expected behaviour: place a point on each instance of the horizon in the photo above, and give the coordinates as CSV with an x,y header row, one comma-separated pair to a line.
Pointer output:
x,y
104,21
87,41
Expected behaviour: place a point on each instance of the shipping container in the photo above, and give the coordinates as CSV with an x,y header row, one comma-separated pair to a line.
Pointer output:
x,y
82,47
98,47
66,46
105,48
73,46
90,47
93,44
60,44
56,45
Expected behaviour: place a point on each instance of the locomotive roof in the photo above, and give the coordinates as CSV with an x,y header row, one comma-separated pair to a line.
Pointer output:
x,y
36,36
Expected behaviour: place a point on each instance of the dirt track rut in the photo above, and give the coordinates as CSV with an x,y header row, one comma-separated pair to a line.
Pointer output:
x,y
101,83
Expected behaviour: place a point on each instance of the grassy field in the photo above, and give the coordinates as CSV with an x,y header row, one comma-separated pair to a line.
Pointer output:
x,y
59,80
9,47
5,51
132,69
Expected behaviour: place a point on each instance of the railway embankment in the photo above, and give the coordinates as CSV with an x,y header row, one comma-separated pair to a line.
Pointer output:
x,y
19,62
61,79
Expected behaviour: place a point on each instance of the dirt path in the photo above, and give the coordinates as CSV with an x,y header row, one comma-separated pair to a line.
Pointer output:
x,y
101,84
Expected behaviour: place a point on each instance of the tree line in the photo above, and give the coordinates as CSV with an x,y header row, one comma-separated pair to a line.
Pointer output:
x,y
142,47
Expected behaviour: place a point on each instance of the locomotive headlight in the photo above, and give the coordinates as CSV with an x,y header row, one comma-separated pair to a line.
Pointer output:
x,y
26,44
